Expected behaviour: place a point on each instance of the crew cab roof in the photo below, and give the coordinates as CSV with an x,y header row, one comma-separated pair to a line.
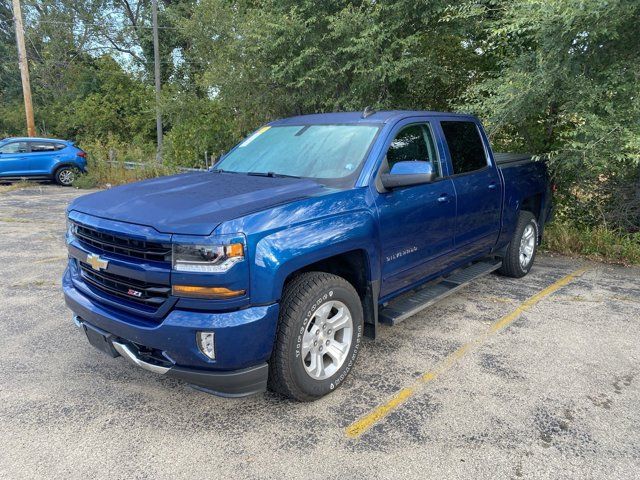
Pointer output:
x,y
381,117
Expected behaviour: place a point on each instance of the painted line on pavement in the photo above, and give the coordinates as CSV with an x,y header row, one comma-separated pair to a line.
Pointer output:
x,y
364,423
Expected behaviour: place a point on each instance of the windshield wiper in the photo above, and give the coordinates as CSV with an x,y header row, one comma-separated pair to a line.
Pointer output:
x,y
219,170
271,174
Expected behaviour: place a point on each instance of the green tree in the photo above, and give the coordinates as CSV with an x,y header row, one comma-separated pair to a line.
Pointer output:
x,y
276,57
566,85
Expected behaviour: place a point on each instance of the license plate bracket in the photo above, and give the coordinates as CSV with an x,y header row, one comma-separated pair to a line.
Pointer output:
x,y
100,340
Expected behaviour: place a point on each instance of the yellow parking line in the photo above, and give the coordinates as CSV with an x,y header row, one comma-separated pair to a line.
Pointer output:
x,y
363,424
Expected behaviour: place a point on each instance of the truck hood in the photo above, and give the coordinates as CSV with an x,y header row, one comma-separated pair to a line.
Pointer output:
x,y
193,203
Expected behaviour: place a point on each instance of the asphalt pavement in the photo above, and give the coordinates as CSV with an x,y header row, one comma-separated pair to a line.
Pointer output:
x,y
509,378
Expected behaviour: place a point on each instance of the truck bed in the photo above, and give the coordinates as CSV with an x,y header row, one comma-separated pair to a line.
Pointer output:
x,y
507,159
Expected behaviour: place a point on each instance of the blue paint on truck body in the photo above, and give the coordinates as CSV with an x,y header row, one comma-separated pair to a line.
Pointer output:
x,y
406,236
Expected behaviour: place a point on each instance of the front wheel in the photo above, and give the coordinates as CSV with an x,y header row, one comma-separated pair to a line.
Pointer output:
x,y
65,176
522,249
319,334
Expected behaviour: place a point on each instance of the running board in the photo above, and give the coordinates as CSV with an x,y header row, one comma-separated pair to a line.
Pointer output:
x,y
413,302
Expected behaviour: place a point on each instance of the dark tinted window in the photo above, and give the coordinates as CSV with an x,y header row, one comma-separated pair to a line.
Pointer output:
x,y
412,143
15,147
43,146
465,146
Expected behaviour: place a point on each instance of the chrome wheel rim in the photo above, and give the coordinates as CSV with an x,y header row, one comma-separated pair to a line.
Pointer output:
x,y
327,340
527,246
66,177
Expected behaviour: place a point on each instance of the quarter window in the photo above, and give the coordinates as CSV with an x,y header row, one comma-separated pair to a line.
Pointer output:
x,y
414,143
14,147
465,146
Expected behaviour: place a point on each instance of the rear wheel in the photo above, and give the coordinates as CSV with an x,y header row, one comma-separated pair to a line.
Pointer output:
x,y
319,334
65,176
523,246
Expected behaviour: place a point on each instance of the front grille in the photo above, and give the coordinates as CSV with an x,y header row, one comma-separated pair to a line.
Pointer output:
x,y
123,245
152,295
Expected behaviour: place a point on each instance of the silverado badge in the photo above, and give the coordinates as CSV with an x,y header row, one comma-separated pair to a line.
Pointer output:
x,y
96,262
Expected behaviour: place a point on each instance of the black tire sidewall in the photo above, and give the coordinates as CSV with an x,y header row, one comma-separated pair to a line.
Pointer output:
x,y
310,386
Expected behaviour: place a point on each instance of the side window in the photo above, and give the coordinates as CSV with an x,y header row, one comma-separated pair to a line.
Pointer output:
x,y
14,147
60,146
414,143
42,146
465,146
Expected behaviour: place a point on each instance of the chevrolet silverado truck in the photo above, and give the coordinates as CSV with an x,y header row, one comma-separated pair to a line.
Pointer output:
x,y
268,270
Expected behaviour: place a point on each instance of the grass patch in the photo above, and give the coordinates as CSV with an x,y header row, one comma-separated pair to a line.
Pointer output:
x,y
104,174
597,243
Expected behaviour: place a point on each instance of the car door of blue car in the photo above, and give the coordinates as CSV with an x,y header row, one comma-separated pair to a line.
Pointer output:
x,y
14,159
44,155
416,222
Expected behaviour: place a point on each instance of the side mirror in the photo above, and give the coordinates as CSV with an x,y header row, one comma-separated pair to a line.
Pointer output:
x,y
405,174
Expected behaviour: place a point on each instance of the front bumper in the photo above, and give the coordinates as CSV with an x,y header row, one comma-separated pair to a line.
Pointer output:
x,y
236,383
244,340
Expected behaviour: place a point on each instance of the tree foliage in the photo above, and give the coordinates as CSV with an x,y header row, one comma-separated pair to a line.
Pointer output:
x,y
558,78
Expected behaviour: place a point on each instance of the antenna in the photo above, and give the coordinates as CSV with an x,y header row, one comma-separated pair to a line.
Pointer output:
x,y
368,111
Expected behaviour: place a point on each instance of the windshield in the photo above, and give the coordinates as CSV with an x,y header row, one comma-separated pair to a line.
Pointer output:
x,y
311,151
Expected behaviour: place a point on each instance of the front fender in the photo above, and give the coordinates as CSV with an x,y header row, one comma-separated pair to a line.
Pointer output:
x,y
281,253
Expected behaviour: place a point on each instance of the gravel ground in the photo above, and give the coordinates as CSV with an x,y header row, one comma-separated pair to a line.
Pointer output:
x,y
553,395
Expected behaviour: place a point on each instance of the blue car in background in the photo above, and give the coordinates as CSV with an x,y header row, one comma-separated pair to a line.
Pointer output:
x,y
41,159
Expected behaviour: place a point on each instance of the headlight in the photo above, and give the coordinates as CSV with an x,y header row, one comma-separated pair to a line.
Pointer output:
x,y
71,231
204,258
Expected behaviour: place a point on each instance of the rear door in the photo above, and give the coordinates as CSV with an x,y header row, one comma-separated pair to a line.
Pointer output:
x,y
416,222
477,185
43,156
14,159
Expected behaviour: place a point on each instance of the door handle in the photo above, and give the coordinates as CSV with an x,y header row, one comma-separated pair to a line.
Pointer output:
x,y
444,198
493,186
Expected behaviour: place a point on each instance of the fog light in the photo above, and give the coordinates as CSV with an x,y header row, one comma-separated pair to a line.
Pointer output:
x,y
206,344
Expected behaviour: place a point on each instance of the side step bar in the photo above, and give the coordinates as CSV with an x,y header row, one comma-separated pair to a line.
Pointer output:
x,y
410,303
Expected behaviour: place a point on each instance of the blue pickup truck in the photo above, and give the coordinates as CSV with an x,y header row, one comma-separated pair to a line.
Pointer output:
x,y
267,271
41,159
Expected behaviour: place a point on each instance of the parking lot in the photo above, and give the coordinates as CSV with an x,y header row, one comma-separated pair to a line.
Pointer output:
x,y
531,378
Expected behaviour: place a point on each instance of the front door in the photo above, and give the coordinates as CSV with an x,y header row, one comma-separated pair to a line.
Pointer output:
x,y
417,222
14,159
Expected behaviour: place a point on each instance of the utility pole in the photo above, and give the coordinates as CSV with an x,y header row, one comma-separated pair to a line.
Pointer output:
x,y
156,71
24,68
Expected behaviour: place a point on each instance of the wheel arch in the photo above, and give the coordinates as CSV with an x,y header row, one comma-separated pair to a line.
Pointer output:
x,y
343,245
354,267
62,164
533,204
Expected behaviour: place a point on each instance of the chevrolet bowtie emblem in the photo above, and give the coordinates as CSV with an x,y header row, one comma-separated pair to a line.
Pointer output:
x,y
96,262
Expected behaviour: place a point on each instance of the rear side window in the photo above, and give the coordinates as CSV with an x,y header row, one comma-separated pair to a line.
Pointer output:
x,y
465,146
14,147
412,143
43,146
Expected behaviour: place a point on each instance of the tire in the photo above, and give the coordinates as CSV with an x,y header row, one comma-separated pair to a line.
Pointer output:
x,y
311,304
65,176
518,259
